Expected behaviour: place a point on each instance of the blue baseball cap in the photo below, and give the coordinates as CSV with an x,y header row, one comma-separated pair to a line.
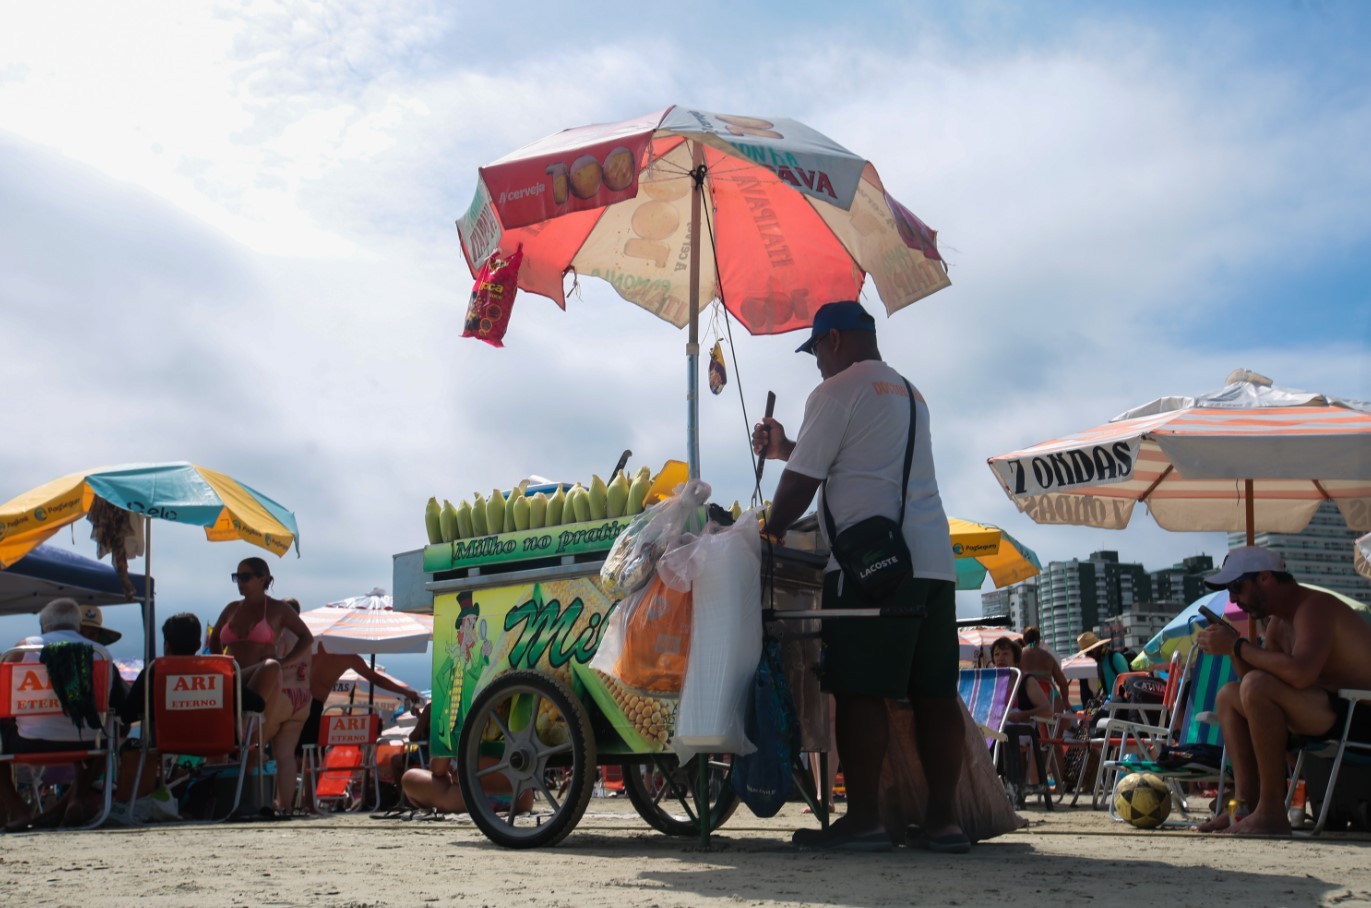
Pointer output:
x,y
847,315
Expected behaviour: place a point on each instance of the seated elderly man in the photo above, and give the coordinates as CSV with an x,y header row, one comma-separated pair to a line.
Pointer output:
x,y
61,621
1314,645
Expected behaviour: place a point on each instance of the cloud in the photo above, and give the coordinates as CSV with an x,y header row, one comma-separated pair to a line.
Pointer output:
x,y
234,244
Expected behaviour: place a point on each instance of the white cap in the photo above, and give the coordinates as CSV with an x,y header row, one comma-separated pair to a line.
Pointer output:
x,y
1250,559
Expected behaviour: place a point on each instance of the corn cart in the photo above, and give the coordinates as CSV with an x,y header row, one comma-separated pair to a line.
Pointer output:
x,y
530,724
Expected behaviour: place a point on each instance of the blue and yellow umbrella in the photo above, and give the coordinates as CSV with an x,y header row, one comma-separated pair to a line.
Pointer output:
x,y
179,492
981,549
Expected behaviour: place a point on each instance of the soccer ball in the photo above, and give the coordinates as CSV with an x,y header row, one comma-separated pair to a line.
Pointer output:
x,y
1143,800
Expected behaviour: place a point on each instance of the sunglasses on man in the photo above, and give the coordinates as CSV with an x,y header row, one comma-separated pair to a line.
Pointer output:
x,y
1236,584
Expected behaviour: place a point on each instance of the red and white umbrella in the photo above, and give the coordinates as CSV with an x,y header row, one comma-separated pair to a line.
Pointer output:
x,y
1248,457
369,624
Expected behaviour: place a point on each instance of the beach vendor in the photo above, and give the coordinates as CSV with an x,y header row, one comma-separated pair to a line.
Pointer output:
x,y
1315,644
852,448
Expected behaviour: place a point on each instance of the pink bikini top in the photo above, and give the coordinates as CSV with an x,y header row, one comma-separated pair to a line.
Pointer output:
x,y
261,633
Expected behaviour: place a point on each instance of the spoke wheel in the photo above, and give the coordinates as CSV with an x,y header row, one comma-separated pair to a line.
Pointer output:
x,y
663,793
527,785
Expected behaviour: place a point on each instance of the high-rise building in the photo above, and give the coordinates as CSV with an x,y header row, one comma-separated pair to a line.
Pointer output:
x,y
1321,554
1018,603
1181,584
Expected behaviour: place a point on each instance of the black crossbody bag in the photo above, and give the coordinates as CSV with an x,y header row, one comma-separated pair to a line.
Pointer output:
x,y
872,552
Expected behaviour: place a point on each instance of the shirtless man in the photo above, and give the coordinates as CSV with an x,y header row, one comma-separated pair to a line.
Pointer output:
x,y
1040,662
1314,645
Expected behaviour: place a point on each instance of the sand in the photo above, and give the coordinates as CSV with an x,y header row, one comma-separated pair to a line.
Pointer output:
x,y
1064,858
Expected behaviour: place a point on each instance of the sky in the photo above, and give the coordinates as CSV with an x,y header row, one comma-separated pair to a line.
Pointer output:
x,y
226,236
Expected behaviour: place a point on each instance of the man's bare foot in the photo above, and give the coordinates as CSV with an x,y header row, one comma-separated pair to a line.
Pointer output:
x,y
1260,824
1217,824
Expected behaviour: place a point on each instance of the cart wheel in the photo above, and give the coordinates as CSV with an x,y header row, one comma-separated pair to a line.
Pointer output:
x,y
539,740
663,792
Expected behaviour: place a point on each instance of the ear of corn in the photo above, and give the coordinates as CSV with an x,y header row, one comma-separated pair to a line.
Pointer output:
x,y
513,496
554,508
616,496
596,496
580,500
447,522
537,511
637,493
736,510
522,510
647,718
433,522
465,528
478,516
495,512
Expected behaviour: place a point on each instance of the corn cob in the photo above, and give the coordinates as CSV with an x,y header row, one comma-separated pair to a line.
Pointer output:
x,y
616,496
521,512
650,717
433,522
637,492
465,528
580,500
537,511
555,505
596,495
495,512
447,522
478,516
513,496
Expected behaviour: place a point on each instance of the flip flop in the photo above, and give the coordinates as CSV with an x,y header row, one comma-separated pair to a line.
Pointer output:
x,y
836,839
952,843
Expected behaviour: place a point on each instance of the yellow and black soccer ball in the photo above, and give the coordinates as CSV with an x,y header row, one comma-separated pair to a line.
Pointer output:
x,y
1143,800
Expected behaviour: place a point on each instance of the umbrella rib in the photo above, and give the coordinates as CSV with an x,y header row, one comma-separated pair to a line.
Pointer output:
x,y
1321,490
1156,482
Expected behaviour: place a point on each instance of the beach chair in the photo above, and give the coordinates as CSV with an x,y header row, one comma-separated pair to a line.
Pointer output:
x,y
195,709
26,692
1196,724
1343,750
1123,735
988,693
343,757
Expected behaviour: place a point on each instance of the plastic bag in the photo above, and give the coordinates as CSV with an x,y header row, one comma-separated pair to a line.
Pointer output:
x,y
647,640
492,298
631,561
723,570
763,779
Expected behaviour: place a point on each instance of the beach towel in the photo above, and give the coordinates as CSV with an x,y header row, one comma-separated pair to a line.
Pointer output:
x,y
70,670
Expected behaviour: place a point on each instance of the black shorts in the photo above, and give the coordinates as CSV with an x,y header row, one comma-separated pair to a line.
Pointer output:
x,y
309,732
1361,721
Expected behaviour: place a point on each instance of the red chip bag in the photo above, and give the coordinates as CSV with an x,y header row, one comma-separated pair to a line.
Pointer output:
x,y
492,298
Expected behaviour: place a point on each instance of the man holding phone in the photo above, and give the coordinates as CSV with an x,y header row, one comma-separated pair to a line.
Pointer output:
x,y
1314,645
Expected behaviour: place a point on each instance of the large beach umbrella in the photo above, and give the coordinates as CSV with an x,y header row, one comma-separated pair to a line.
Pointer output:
x,y
982,549
179,492
1248,457
368,624
681,207
1361,555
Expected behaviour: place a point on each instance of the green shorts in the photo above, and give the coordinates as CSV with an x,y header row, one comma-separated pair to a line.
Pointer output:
x,y
892,657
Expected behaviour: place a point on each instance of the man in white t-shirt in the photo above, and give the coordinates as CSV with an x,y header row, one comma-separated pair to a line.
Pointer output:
x,y
61,621
854,436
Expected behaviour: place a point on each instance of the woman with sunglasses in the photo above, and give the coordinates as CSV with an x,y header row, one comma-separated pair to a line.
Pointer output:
x,y
248,630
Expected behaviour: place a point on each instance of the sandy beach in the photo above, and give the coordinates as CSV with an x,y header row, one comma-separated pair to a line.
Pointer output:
x,y
1067,857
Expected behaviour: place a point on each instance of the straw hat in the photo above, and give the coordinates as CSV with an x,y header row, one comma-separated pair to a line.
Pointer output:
x,y
93,620
1088,640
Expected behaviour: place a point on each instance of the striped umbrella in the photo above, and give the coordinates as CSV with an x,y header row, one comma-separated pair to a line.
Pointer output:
x,y
1249,457
179,492
369,624
1361,555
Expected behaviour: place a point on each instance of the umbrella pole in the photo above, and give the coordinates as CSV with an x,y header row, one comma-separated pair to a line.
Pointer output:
x,y
371,686
697,173
1251,513
149,600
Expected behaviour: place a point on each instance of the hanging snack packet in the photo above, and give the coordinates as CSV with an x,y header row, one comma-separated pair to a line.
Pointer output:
x,y
718,375
492,298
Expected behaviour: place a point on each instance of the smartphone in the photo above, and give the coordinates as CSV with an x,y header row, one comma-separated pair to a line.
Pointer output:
x,y
1214,619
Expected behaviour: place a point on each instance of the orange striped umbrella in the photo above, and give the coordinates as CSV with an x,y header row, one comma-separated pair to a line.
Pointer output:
x,y
369,624
1249,457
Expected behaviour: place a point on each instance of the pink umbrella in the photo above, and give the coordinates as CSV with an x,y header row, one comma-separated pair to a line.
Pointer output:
x,y
369,624
681,207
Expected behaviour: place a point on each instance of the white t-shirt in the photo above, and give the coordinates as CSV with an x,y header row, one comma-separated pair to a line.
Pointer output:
x,y
52,728
855,429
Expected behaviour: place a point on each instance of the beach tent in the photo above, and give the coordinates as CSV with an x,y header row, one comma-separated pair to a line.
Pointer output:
x,y
49,572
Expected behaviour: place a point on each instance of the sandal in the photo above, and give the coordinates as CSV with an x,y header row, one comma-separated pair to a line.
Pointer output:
x,y
837,838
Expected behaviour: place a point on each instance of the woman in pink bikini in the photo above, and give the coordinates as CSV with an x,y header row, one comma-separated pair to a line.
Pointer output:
x,y
248,630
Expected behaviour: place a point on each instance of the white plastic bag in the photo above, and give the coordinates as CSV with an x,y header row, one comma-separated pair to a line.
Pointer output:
x,y
724,571
629,565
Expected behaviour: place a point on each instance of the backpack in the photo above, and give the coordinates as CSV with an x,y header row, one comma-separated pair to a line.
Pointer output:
x,y
762,779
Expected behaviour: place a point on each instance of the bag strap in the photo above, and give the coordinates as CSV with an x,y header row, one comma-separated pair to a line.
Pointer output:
x,y
908,462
